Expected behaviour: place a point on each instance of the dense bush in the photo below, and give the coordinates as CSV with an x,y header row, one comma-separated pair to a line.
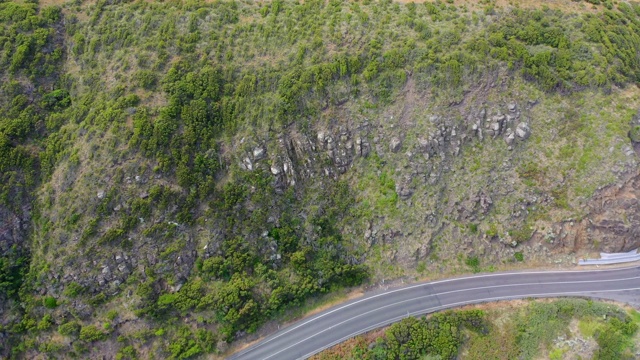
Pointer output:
x,y
30,58
12,270
439,336
543,322
91,333
50,302
70,328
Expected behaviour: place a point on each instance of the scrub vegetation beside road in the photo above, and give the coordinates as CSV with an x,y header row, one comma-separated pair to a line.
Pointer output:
x,y
550,329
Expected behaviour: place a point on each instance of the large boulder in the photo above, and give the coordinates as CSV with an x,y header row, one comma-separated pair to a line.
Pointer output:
x,y
395,144
523,131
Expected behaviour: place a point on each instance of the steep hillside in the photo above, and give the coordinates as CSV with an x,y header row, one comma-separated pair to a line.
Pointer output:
x,y
176,174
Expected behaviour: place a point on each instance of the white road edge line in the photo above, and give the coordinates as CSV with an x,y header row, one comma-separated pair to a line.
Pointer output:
x,y
443,293
415,286
431,310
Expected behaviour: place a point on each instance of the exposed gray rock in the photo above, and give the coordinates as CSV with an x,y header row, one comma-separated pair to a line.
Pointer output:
x,y
246,164
12,228
494,128
363,148
509,136
403,189
523,131
395,144
485,202
423,144
259,153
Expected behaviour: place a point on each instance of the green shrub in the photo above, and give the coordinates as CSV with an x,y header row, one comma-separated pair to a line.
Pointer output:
x,y
73,289
184,346
112,314
127,353
12,268
56,100
45,323
50,302
473,262
71,328
146,79
522,233
439,337
207,340
91,333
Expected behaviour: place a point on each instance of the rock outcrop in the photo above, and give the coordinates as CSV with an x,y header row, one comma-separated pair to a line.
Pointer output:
x,y
611,225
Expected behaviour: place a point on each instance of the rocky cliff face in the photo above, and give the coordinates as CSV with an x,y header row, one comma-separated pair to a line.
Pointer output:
x,y
297,156
612,223
13,228
493,214
331,151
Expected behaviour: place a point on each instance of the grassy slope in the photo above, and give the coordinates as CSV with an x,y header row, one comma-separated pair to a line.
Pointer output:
x,y
146,194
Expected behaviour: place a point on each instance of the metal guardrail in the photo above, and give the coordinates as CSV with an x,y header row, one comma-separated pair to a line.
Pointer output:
x,y
617,255
612,258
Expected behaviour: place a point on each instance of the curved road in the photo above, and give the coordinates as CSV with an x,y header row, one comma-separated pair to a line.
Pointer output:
x,y
314,334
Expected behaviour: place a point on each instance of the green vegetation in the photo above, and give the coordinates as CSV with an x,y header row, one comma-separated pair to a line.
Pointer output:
x,y
69,329
533,331
30,59
473,262
50,302
518,256
91,333
439,336
526,332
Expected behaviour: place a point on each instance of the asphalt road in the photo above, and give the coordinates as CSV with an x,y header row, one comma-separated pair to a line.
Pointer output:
x,y
311,335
